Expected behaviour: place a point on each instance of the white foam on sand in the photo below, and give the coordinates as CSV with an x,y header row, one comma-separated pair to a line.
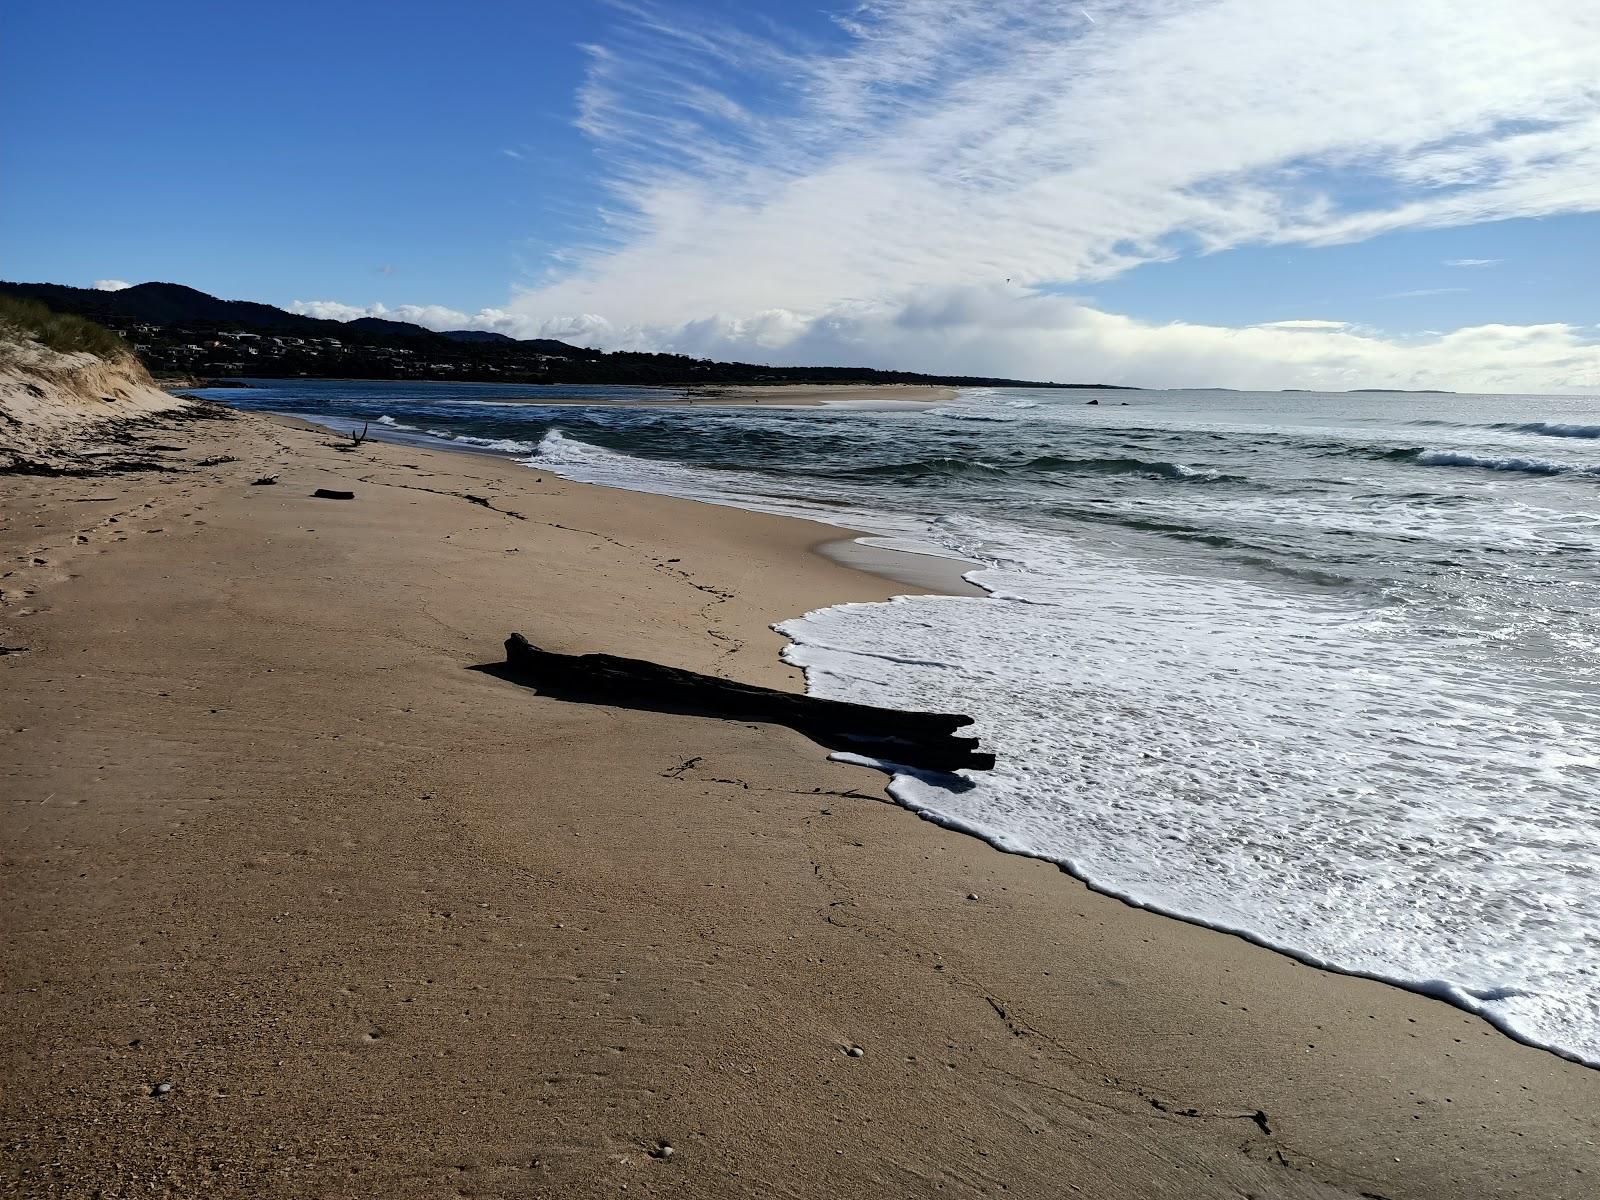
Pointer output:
x,y
1259,763
1284,765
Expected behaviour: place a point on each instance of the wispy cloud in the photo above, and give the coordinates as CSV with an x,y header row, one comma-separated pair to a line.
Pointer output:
x,y
999,330
1011,331
949,141
1417,293
429,316
1472,262
783,192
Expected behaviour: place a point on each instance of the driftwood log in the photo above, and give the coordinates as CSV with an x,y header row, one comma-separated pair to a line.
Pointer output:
x,y
914,739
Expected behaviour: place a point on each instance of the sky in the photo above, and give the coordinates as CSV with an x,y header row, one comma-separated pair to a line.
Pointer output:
x,y
1241,193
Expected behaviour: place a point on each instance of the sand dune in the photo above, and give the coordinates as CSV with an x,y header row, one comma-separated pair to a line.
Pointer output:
x,y
50,402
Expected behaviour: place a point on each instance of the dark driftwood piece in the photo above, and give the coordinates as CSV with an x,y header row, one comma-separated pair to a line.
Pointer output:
x,y
333,494
914,739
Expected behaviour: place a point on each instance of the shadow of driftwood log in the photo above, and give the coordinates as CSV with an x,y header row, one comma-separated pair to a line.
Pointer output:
x,y
916,739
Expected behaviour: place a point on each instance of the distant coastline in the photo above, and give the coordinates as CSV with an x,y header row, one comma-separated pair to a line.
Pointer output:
x,y
180,332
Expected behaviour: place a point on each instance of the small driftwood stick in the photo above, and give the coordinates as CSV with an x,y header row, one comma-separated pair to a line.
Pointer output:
x,y
914,739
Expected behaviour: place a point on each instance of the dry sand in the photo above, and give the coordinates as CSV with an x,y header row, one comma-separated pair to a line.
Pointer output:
x,y
297,904
51,400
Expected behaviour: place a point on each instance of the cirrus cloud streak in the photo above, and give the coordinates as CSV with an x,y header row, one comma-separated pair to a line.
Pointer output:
x,y
940,144
789,197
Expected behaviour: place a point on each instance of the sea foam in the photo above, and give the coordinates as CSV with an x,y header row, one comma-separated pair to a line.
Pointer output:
x,y
1283,767
1265,765
503,445
1553,429
1285,761
1257,661
1493,462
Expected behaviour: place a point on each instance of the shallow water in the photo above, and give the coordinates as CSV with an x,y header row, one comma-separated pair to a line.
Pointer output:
x,y
1319,669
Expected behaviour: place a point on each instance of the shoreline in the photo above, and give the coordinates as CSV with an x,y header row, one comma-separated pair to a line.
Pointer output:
x,y
931,574
715,913
791,395
842,545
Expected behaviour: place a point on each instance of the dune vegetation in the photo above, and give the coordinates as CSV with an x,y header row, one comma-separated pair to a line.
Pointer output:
x,y
62,332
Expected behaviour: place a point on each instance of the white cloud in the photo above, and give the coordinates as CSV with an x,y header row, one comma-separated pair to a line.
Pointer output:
x,y
1013,332
1472,262
587,329
958,143
111,285
1416,293
332,310
1006,331
429,316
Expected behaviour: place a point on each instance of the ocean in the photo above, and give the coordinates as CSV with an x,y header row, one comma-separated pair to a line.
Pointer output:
x,y
1316,669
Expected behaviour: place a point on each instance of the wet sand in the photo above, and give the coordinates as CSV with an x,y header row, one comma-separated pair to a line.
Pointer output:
x,y
297,903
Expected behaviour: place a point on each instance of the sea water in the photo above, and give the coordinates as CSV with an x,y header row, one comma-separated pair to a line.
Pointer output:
x,y
1316,669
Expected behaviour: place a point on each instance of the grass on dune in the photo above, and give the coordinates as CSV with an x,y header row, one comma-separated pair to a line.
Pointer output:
x,y
60,331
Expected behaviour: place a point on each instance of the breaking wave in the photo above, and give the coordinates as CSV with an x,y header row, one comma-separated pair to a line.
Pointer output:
x,y
1486,462
1553,429
1046,464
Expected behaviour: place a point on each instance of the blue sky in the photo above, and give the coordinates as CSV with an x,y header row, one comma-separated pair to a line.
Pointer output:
x,y
269,152
1517,272
1137,191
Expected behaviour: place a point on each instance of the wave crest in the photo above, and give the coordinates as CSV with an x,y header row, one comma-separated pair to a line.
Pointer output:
x,y
1129,466
1551,429
1485,462
1048,464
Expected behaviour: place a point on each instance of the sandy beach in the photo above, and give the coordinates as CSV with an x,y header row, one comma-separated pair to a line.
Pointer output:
x,y
300,904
